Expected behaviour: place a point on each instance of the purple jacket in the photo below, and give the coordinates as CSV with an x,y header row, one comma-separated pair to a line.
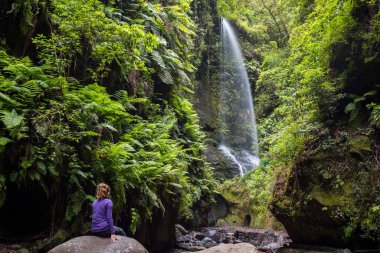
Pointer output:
x,y
102,216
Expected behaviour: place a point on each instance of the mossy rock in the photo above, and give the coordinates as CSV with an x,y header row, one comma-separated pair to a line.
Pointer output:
x,y
247,199
320,199
50,242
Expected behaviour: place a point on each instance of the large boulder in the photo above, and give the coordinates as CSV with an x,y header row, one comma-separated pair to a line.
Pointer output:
x,y
93,244
328,197
231,248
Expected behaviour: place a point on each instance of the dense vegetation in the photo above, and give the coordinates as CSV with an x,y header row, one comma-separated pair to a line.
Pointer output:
x,y
313,69
103,90
98,93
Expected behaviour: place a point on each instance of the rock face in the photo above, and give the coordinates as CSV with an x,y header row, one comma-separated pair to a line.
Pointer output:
x,y
93,244
319,199
224,167
231,248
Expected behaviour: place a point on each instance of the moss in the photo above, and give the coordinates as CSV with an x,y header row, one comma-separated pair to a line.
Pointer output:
x,y
284,203
233,219
360,144
330,198
48,243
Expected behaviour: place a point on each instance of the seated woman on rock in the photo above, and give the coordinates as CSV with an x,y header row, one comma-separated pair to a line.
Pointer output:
x,y
102,222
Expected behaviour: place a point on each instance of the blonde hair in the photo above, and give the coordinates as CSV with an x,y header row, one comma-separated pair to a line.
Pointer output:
x,y
103,191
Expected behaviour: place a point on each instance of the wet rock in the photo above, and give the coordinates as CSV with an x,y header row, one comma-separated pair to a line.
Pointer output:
x,y
199,236
190,247
230,237
208,242
211,233
232,248
224,167
181,229
93,244
270,247
267,240
268,237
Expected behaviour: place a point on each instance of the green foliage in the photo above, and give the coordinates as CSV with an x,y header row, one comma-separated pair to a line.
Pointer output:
x,y
372,36
354,107
81,135
84,30
375,114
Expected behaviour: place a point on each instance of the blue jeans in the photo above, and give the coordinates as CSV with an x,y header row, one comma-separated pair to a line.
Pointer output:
x,y
119,231
105,234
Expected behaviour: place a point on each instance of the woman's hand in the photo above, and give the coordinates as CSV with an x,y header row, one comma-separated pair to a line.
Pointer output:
x,y
113,238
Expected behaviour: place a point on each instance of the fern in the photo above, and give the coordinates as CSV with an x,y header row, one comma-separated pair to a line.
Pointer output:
x,y
166,77
158,59
12,119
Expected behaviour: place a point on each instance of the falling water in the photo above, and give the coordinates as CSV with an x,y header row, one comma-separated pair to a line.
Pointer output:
x,y
238,124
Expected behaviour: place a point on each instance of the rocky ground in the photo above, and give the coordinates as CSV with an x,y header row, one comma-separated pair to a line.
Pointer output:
x,y
263,240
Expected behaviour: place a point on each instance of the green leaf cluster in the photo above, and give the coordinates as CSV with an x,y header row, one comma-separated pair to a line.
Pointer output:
x,y
69,137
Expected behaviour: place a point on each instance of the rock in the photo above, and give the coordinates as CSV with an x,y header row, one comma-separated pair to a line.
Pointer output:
x,y
215,235
269,237
211,233
181,229
208,242
232,248
45,244
15,246
199,236
23,250
225,168
190,247
93,244
271,246
230,237
315,198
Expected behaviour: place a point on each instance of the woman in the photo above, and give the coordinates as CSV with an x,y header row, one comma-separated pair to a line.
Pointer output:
x,y
102,222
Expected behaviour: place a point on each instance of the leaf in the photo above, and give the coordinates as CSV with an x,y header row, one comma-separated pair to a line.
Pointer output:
x,y
370,93
53,171
26,163
107,126
158,59
350,107
75,205
90,198
11,119
34,175
166,77
42,167
13,176
9,99
4,141
358,99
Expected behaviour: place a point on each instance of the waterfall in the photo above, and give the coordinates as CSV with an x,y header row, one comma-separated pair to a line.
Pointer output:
x,y
238,125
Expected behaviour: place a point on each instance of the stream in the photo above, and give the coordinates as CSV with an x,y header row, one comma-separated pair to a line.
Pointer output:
x,y
265,240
